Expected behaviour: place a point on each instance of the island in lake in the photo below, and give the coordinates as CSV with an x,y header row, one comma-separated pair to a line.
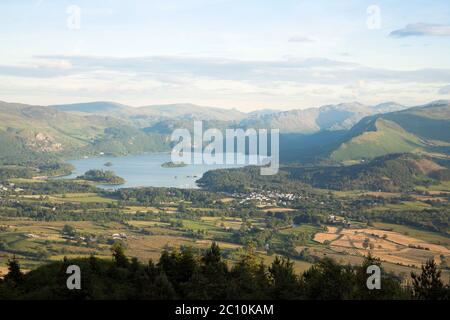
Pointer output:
x,y
102,177
171,164
108,164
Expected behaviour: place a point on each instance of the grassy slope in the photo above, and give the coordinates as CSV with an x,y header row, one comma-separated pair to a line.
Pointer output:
x,y
67,129
29,131
388,138
421,129
431,121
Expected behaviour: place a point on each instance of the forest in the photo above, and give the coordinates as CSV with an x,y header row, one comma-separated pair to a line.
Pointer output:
x,y
186,274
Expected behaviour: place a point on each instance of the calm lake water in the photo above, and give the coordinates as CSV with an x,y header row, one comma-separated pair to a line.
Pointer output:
x,y
145,170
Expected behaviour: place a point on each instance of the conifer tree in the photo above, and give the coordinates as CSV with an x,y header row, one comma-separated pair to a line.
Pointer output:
x,y
428,285
14,275
119,255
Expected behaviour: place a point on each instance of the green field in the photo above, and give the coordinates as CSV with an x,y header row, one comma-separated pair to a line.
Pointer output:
x,y
405,205
81,198
443,186
32,224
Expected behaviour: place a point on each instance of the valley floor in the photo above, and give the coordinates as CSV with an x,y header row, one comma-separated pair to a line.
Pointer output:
x,y
98,219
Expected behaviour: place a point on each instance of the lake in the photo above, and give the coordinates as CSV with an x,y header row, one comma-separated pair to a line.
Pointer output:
x,y
146,171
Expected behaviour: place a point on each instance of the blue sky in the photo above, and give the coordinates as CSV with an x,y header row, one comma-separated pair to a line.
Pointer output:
x,y
244,54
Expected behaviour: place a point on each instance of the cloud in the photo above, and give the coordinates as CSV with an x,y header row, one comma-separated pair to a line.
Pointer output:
x,y
178,70
444,90
285,82
56,64
422,29
301,39
171,67
34,71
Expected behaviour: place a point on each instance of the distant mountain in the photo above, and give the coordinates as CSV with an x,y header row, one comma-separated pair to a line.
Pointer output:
x,y
293,121
182,111
104,108
387,107
422,129
190,111
330,117
262,112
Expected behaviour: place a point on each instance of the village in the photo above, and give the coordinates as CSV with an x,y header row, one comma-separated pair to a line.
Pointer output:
x,y
11,187
266,198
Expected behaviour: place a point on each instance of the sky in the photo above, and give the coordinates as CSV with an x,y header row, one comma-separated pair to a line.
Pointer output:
x,y
243,54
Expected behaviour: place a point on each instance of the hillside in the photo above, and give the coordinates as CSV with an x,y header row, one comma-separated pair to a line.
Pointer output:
x,y
422,130
383,137
48,130
99,107
431,121
330,117
14,150
393,172
30,132
325,134
312,120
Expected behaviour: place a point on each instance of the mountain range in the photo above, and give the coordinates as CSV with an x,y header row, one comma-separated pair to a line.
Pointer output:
x,y
335,133
153,112
311,120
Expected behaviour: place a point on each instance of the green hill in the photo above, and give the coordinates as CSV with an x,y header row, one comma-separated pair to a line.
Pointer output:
x,y
45,129
393,172
14,151
102,177
387,137
421,130
431,122
36,133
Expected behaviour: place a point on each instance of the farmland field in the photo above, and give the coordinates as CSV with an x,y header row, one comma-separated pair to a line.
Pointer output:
x,y
389,246
146,222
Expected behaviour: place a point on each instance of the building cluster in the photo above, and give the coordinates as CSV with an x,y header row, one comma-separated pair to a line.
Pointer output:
x,y
266,197
10,187
76,238
118,236
332,219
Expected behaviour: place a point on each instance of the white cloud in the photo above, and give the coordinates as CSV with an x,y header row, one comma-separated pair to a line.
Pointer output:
x,y
249,84
422,29
55,64
444,90
301,39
